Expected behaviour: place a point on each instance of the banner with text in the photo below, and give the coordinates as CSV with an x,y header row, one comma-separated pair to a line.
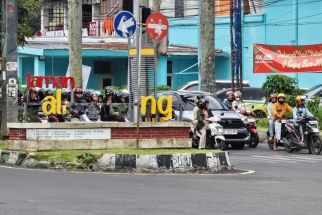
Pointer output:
x,y
287,58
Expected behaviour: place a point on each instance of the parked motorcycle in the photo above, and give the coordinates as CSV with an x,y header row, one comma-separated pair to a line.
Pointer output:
x,y
249,119
215,136
303,134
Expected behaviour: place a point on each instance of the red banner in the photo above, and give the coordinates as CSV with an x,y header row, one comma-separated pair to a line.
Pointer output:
x,y
270,58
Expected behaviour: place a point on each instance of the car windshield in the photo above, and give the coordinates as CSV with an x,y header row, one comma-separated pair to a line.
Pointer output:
x,y
214,103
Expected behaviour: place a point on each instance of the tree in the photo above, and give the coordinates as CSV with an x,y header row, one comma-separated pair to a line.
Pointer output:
x,y
28,19
279,84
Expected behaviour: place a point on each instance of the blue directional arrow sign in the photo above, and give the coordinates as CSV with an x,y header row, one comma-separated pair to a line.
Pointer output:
x,y
124,24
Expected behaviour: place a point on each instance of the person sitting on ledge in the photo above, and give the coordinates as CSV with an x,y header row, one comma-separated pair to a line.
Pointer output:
x,y
107,112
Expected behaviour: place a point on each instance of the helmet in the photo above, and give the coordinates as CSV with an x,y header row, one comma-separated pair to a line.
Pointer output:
x,y
33,90
299,100
237,94
109,91
273,95
228,93
281,95
78,91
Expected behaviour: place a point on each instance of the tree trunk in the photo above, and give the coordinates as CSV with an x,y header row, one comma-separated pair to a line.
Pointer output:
x,y
75,40
207,46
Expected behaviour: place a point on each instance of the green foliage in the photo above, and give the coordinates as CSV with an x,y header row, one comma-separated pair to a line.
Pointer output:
x,y
163,88
87,158
316,109
28,19
279,84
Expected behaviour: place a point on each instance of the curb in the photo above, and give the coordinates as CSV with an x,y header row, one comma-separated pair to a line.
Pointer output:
x,y
126,163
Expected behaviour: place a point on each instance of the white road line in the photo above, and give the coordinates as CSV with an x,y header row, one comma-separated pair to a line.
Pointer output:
x,y
266,160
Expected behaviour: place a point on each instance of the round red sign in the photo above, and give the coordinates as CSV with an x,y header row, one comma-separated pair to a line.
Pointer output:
x,y
157,26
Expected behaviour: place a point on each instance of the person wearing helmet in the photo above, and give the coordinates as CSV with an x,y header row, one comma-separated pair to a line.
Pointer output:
x,y
280,110
300,111
78,108
93,110
229,99
201,124
238,104
107,112
123,106
272,101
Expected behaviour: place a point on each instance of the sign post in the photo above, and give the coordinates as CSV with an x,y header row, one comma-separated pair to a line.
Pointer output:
x,y
157,26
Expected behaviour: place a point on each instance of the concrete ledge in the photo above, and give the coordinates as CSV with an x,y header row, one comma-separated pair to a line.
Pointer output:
x,y
46,145
176,163
169,124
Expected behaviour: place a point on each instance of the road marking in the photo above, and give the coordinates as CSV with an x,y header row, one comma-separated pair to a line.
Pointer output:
x,y
275,158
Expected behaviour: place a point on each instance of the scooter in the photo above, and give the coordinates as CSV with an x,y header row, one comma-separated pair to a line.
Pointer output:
x,y
302,134
248,118
215,136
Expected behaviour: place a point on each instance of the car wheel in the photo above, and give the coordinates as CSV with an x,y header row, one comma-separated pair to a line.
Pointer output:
x,y
259,114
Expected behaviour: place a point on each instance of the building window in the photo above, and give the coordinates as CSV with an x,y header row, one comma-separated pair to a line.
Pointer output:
x,y
102,67
179,8
169,73
56,16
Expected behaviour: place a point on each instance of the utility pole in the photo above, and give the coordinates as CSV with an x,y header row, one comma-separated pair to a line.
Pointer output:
x,y
9,78
162,47
236,44
207,46
75,40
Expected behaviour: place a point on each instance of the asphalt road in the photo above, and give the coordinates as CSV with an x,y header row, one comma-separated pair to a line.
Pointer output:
x,y
282,184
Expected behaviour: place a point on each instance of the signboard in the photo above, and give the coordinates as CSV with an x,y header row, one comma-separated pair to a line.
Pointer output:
x,y
286,58
157,26
163,105
56,81
92,29
124,24
69,134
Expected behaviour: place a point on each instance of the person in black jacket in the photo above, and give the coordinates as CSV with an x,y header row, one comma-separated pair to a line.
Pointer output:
x,y
93,110
78,108
107,112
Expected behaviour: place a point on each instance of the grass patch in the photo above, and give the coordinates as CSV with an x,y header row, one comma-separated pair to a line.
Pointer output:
x,y
3,145
262,124
70,155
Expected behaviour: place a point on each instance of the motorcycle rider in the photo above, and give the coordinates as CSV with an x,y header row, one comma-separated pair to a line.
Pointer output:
x,y
229,99
93,110
272,101
238,104
78,108
280,110
300,111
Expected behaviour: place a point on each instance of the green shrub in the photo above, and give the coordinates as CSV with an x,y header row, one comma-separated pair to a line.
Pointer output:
x,y
87,158
163,88
316,109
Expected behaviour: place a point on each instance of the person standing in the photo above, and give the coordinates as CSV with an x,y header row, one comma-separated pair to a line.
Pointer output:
x,y
272,101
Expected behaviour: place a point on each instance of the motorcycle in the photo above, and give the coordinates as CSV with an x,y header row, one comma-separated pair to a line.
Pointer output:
x,y
248,118
215,135
302,134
